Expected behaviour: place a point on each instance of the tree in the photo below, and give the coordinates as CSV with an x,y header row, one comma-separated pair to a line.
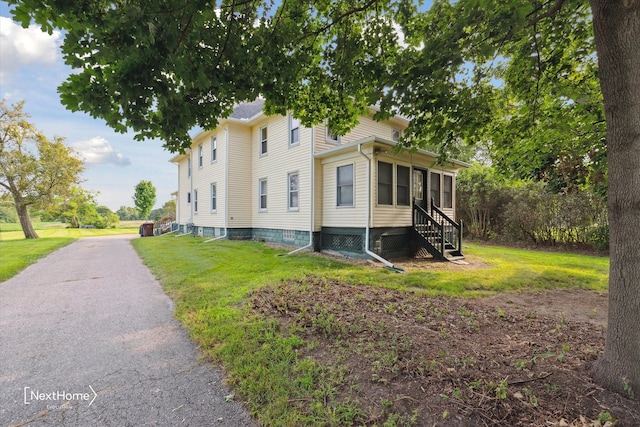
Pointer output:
x,y
126,213
33,170
519,75
76,207
144,198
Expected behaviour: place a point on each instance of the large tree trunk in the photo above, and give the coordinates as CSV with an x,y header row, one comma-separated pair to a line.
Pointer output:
x,y
25,220
617,35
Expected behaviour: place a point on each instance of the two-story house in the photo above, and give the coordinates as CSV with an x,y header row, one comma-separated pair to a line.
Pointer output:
x,y
269,178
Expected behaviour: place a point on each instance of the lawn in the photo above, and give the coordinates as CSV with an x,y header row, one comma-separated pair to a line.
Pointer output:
x,y
16,252
217,286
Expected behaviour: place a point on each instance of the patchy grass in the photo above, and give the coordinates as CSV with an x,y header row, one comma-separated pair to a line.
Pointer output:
x,y
18,254
212,284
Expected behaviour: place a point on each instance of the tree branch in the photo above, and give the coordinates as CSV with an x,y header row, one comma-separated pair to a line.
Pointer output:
x,y
552,11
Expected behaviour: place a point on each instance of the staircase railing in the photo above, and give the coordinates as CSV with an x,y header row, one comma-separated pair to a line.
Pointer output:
x,y
451,230
427,227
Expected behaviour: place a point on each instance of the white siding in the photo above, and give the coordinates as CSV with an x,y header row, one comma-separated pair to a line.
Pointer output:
x,y
239,184
183,209
210,172
280,160
342,216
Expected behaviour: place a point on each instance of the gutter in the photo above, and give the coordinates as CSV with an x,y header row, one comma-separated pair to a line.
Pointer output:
x,y
226,185
366,236
312,161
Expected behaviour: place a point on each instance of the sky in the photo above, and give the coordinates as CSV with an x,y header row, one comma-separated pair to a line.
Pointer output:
x,y
31,69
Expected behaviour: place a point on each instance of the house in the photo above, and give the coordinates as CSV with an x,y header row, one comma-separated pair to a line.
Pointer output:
x,y
269,178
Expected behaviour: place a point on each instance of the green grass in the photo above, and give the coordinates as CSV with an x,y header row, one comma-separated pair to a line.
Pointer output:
x,y
210,281
18,254
12,231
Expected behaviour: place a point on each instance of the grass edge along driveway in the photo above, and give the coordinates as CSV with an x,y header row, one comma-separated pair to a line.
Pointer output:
x,y
210,283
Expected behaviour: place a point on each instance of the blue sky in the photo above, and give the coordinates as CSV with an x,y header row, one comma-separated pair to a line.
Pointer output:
x,y
31,69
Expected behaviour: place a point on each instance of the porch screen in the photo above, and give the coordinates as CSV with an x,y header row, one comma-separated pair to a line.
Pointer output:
x,y
435,188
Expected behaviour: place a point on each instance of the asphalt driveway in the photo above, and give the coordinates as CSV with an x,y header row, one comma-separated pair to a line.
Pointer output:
x,y
88,338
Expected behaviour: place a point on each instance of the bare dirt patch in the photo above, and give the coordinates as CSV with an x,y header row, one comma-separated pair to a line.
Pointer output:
x,y
507,360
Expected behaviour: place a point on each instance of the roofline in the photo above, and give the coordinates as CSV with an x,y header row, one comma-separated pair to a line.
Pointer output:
x,y
377,140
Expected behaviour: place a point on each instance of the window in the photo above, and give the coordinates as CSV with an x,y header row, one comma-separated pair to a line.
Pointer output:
x,y
417,185
435,188
195,200
447,192
345,185
214,198
262,192
263,141
214,148
402,185
200,155
294,131
331,136
396,134
385,183
293,191
189,167
188,197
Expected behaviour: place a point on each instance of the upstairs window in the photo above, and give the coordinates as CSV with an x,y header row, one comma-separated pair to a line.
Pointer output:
x,y
188,197
263,141
402,185
396,134
189,167
294,131
385,183
345,185
214,149
200,155
332,136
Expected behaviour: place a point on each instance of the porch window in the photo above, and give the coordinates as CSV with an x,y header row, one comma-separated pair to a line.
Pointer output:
x,y
385,183
402,185
447,192
293,191
214,198
294,131
435,188
345,185
263,141
214,149
262,191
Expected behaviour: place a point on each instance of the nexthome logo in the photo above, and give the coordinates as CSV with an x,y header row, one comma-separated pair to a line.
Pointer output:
x,y
31,395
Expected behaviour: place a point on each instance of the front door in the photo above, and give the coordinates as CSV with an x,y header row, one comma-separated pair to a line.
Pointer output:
x,y
420,187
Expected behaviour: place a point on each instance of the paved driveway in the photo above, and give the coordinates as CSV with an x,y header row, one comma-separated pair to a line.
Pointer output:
x,y
88,338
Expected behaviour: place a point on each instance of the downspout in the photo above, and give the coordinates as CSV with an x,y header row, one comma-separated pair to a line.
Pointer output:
x,y
226,185
366,236
312,161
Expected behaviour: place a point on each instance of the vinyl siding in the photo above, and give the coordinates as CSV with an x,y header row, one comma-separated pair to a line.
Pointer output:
x,y
280,161
183,209
342,216
239,184
210,172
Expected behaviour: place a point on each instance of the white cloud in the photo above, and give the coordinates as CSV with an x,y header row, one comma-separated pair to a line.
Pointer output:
x,y
22,47
98,151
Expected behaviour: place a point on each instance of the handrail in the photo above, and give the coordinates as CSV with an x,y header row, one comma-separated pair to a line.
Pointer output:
x,y
452,232
425,225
